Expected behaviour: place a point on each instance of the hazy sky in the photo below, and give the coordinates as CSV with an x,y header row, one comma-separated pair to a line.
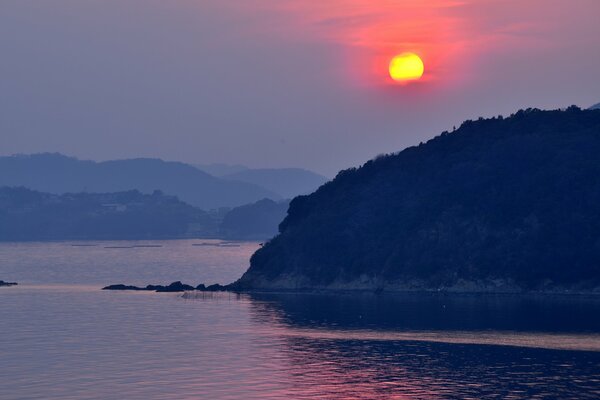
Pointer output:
x,y
271,83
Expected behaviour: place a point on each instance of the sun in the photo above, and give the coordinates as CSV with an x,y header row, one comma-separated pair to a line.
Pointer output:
x,y
406,67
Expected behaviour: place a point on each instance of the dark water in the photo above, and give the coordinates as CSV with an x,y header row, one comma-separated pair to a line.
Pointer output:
x,y
62,338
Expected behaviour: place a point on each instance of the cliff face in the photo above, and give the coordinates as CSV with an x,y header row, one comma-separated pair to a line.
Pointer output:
x,y
500,204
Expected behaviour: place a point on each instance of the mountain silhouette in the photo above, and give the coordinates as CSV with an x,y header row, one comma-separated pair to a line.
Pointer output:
x,y
56,173
287,182
501,204
219,169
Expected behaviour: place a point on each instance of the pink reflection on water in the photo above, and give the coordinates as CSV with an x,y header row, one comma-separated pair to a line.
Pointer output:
x,y
338,363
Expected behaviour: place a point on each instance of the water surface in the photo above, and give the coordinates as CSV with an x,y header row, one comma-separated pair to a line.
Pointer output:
x,y
63,338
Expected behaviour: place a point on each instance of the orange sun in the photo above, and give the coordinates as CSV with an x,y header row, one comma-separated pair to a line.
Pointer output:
x,y
406,67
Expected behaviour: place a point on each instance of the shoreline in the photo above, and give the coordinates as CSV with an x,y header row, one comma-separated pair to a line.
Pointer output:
x,y
231,288
460,286
593,294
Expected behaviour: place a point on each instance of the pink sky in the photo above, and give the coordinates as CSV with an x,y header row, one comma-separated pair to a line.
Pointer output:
x,y
272,83
450,35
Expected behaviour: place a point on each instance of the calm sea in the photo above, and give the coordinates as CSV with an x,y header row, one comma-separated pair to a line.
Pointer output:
x,y
61,337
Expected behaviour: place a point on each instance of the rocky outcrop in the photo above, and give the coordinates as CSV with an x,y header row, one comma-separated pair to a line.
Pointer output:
x,y
173,287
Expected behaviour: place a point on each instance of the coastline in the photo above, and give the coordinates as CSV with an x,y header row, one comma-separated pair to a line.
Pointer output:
x,y
461,287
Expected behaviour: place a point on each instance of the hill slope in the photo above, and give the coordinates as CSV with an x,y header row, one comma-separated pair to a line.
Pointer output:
x,y
499,204
256,221
219,170
55,173
287,182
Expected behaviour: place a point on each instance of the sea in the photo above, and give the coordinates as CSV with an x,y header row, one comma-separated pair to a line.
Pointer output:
x,y
62,337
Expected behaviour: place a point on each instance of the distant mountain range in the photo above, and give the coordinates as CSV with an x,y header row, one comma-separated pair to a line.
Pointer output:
x,y
286,182
231,187
220,170
244,203
57,174
501,204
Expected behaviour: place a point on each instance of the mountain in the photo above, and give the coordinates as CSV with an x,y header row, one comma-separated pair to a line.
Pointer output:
x,y
219,170
501,204
287,182
255,221
595,107
27,215
56,173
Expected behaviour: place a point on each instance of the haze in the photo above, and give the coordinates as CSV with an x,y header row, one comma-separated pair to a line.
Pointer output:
x,y
268,83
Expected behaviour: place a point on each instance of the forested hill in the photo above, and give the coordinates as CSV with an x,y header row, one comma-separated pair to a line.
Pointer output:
x,y
500,204
27,215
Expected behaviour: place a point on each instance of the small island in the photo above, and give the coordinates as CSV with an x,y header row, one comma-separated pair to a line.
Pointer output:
x,y
3,283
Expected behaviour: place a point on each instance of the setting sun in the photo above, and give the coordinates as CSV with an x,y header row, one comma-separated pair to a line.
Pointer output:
x,y
406,67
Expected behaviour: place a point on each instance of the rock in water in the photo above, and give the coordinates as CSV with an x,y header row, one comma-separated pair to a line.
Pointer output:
x,y
216,288
122,287
175,287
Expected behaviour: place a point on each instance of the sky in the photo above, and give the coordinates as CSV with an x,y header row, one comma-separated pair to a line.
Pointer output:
x,y
279,83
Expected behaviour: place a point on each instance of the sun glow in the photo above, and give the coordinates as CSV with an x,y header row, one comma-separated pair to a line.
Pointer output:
x,y
406,67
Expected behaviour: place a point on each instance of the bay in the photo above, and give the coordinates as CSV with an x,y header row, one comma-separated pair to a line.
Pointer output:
x,y
61,337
